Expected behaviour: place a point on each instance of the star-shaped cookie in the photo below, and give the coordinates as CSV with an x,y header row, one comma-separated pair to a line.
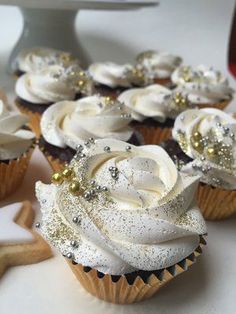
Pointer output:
x,y
19,244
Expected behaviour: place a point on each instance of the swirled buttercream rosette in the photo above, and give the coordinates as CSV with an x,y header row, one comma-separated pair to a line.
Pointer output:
x,y
126,214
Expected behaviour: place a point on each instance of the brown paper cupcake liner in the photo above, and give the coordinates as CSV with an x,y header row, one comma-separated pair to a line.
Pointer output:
x,y
216,203
12,173
34,117
121,291
154,135
164,81
221,105
56,164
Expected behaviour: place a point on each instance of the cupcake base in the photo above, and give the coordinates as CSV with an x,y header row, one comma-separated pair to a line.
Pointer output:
x,y
34,112
59,157
153,131
216,203
221,105
134,287
12,173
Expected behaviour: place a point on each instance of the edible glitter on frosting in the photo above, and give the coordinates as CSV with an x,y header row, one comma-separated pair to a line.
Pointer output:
x,y
34,59
208,136
154,101
133,210
204,85
157,64
14,139
70,123
52,84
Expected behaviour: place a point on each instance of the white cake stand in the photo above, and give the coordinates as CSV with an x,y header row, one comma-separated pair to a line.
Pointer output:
x,y
51,23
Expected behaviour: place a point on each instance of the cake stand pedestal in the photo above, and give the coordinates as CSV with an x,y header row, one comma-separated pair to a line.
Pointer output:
x,y
51,23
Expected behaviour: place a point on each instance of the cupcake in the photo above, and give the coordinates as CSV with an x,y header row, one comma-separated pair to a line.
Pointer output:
x,y
125,220
207,147
67,125
204,86
34,59
153,110
111,78
37,91
158,66
16,147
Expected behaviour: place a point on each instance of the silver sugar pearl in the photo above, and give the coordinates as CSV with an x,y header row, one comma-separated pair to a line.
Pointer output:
x,y
87,195
37,225
91,140
128,148
73,243
86,143
92,192
107,149
203,158
75,219
104,188
98,187
110,168
70,255
93,182
79,148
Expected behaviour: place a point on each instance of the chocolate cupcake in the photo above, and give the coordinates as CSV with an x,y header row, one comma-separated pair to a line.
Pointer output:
x,y
158,66
111,79
37,91
153,110
34,59
207,137
16,147
126,221
204,86
68,125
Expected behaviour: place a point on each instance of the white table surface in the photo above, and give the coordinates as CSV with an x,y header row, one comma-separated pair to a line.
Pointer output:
x,y
197,30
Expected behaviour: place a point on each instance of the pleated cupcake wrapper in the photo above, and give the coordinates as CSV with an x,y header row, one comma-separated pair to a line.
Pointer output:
x,y
221,105
216,203
56,164
164,81
12,173
121,291
34,117
154,135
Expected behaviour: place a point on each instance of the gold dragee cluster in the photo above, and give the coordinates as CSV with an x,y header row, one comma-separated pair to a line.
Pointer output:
x,y
67,175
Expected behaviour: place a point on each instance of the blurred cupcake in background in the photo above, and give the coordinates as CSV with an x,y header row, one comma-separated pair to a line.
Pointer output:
x,y
158,66
207,147
204,86
37,91
125,220
69,125
153,110
34,59
111,78
16,147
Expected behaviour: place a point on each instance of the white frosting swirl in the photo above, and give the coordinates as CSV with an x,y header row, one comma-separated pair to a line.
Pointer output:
x,y
154,101
158,64
14,140
52,84
147,219
34,59
111,74
208,136
203,84
70,123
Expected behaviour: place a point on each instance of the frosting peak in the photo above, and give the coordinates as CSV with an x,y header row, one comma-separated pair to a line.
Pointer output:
x,y
158,64
70,123
35,59
208,136
204,85
131,210
14,140
52,84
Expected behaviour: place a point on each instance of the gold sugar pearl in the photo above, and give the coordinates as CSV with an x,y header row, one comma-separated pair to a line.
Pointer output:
x,y
211,151
81,73
65,57
81,83
197,136
74,187
67,173
107,100
57,178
